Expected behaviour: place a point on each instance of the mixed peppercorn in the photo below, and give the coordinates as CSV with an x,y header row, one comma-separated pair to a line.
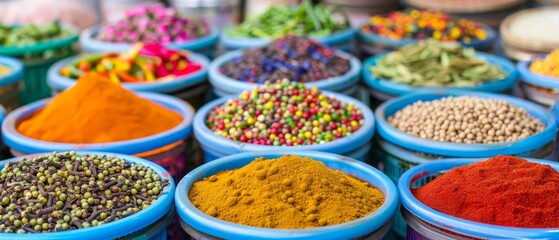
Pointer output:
x,y
285,114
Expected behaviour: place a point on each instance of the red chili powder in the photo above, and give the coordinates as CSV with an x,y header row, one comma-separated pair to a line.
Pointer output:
x,y
504,190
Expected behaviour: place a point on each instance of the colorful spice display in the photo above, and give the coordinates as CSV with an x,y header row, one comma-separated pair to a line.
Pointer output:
x,y
97,111
504,190
65,191
4,70
142,63
421,25
290,192
296,58
153,24
466,119
305,19
30,34
284,114
548,66
432,63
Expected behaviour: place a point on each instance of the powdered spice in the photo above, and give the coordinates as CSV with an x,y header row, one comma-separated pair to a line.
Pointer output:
x,y
504,190
290,192
96,110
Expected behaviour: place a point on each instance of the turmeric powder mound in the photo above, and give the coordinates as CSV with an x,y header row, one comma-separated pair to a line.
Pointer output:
x,y
290,192
96,110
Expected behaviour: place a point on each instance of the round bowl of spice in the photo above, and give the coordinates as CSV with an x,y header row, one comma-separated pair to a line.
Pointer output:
x,y
316,21
435,65
84,195
400,28
151,24
98,115
299,59
283,116
275,195
11,74
540,78
144,67
502,197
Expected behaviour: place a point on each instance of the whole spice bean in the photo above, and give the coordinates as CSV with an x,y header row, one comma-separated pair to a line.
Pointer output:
x,y
285,114
70,201
466,119
432,63
299,59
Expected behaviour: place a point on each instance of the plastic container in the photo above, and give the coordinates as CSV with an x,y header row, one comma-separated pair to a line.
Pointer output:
x,y
400,138
427,223
185,87
218,13
10,83
342,40
166,149
215,146
223,85
555,112
372,43
204,45
150,223
537,87
202,226
384,89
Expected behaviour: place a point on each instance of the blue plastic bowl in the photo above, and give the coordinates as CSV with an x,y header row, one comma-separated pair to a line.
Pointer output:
x,y
200,45
27,145
228,86
227,230
536,79
58,82
408,141
456,225
373,38
120,228
393,88
342,39
16,71
215,145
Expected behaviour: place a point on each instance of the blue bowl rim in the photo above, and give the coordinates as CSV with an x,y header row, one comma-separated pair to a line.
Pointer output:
x,y
22,143
535,78
16,70
219,80
393,135
88,41
386,86
248,42
396,43
210,140
111,230
59,82
458,225
230,230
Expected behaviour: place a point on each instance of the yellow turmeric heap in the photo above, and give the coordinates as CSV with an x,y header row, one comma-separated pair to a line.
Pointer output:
x,y
290,192
548,66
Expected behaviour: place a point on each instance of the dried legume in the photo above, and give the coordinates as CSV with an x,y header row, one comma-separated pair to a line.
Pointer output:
x,y
296,58
549,66
432,63
421,25
466,119
285,114
306,19
153,24
65,191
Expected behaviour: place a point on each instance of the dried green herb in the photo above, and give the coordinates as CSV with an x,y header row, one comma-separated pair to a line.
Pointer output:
x,y
432,63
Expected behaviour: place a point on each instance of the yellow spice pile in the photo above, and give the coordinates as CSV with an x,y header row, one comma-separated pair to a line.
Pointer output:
x,y
290,192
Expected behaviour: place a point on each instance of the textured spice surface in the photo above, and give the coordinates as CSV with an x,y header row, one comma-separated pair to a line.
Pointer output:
x,y
290,192
548,66
504,190
98,111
